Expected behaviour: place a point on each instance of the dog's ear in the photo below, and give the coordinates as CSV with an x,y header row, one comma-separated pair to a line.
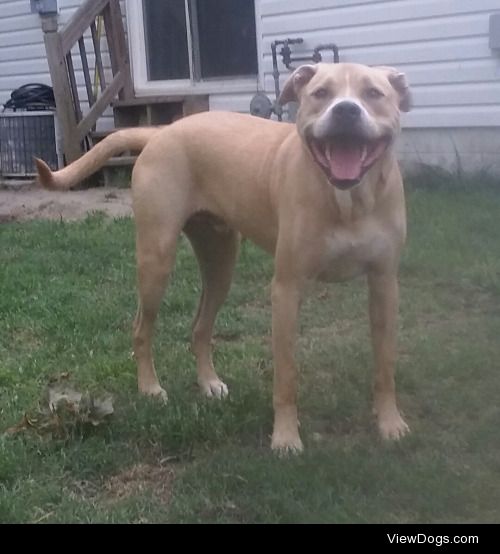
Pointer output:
x,y
297,80
400,85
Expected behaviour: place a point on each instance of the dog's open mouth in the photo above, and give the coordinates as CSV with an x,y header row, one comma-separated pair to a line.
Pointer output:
x,y
345,159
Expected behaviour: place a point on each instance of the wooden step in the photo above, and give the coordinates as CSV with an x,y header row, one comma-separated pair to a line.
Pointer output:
x,y
97,136
121,161
157,110
148,100
116,171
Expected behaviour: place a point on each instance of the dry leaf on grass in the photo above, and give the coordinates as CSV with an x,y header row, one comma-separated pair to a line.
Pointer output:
x,y
65,411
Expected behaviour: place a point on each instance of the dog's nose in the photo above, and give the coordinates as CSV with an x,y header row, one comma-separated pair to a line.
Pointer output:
x,y
346,110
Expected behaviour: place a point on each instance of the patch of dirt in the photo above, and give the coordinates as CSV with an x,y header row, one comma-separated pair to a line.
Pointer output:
x,y
29,202
141,477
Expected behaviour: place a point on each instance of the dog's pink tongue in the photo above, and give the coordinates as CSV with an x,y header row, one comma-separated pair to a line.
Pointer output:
x,y
345,161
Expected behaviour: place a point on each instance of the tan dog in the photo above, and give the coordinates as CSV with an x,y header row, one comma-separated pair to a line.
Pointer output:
x,y
325,197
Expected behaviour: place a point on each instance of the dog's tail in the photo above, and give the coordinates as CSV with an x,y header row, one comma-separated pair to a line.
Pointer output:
x,y
125,139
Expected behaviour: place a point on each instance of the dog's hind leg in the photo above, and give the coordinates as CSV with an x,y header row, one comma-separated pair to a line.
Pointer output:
x,y
159,219
154,264
216,248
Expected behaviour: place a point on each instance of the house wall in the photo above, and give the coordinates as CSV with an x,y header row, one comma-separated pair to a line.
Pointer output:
x,y
442,46
22,51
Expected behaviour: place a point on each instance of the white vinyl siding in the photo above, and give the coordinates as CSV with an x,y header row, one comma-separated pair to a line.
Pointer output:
x,y
22,51
442,45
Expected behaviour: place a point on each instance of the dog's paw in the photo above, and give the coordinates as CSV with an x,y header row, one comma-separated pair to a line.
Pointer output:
x,y
392,426
155,391
214,388
286,444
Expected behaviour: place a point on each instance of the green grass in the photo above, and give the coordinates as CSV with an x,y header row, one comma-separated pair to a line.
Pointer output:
x,y
67,300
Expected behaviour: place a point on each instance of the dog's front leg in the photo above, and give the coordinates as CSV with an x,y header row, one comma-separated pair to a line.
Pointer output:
x,y
384,302
285,306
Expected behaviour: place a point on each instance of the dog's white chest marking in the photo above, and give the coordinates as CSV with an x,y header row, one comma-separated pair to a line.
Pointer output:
x,y
348,252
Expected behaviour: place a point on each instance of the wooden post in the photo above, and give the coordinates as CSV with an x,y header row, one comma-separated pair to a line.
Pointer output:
x,y
117,46
98,57
62,89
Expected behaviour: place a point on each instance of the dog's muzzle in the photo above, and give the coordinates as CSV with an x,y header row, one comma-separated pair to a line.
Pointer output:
x,y
346,151
346,114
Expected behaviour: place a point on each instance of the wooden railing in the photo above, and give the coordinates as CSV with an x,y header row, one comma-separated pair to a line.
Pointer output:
x,y
59,43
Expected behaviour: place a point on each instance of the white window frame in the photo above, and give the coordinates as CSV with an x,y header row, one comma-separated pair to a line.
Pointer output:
x,y
144,87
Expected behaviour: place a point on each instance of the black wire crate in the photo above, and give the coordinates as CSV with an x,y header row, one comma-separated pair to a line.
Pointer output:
x,y
24,135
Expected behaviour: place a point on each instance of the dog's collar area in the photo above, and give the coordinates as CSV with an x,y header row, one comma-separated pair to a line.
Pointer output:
x,y
345,159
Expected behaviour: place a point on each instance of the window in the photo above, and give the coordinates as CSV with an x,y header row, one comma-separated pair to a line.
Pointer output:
x,y
200,40
166,39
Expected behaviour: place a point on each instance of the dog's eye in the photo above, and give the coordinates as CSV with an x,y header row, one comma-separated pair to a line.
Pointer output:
x,y
320,93
374,93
